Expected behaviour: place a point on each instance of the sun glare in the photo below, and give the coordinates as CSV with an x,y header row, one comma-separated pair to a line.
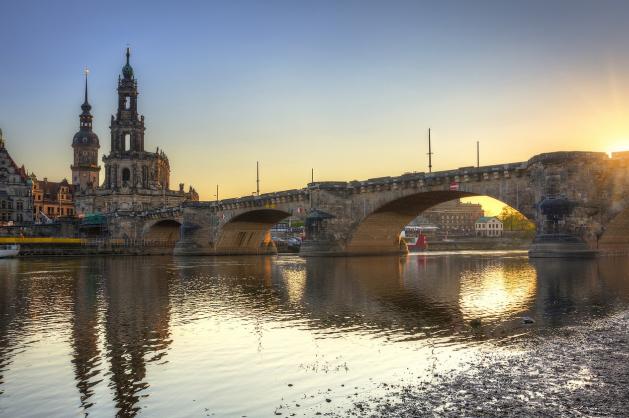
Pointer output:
x,y
491,206
618,146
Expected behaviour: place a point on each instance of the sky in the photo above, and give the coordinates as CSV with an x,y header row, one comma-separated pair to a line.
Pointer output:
x,y
348,88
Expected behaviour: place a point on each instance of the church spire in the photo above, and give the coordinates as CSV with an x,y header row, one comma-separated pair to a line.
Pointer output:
x,y
86,107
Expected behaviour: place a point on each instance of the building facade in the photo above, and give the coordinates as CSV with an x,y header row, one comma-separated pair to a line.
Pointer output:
x,y
488,227
454,217
52,200
16,200
135,179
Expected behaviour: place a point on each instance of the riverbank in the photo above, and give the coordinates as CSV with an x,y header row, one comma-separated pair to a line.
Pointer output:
x,y
480,244
576,371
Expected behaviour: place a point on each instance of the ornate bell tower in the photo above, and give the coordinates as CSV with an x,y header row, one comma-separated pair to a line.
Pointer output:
x,y
127,128
85,169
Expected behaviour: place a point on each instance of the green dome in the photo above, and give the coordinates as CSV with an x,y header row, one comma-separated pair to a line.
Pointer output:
x,y
127,70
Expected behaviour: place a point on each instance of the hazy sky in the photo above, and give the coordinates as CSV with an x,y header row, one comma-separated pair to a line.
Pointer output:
x,y
346,87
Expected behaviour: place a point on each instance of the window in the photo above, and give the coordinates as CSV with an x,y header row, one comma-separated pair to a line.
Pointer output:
x,y
19,205
127,141
127,103
126,175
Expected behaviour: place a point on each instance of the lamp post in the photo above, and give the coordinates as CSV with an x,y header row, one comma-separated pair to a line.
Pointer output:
x,y
257,178
429,153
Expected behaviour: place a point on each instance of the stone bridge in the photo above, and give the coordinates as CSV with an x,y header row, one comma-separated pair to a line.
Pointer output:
x,y
366,217
158,226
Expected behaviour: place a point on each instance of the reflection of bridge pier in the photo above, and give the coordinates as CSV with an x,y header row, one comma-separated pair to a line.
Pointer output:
x,y
568,286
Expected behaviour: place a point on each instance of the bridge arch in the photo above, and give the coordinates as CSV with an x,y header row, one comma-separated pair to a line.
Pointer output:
x,y
379,231
164,231
249,232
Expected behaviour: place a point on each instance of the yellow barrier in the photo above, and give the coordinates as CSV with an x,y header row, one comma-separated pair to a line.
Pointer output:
x,y
33,240
81,241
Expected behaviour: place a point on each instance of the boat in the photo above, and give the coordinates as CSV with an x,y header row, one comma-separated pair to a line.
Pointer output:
x,y
9,250
415,243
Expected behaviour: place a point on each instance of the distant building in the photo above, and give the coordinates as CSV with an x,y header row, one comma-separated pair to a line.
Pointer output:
x,y
15,190
453,217
135,179
51,199
488,227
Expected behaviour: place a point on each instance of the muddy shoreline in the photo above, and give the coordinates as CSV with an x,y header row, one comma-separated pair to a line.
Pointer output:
x,y
574,371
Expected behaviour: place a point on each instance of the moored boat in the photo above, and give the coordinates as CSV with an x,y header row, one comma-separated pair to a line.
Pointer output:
x,y
415,243
9,250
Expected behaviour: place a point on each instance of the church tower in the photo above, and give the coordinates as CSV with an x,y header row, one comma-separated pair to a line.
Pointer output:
x,y
85,169
127,128
136,180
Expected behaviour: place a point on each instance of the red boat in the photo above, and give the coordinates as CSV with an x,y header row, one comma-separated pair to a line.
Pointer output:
x,y
415,243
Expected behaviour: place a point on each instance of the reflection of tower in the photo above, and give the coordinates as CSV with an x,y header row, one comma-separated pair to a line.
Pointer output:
x,y
137,324
85,333
85,168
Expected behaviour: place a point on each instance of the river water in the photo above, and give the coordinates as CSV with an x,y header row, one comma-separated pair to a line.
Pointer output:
x,y
265,336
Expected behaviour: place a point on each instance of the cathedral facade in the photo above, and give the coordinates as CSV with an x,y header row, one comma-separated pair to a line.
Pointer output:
x,y
135,179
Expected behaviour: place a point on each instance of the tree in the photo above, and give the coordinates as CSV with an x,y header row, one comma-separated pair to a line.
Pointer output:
x,y
512,220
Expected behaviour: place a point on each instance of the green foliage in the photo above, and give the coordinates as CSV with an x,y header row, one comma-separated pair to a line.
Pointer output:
x,y
512,220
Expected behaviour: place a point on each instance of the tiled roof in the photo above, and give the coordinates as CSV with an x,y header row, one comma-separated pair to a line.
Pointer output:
x,y
19,170
485,219
50,189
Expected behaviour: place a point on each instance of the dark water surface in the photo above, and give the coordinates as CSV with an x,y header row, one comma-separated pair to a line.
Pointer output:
x,y
256,336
